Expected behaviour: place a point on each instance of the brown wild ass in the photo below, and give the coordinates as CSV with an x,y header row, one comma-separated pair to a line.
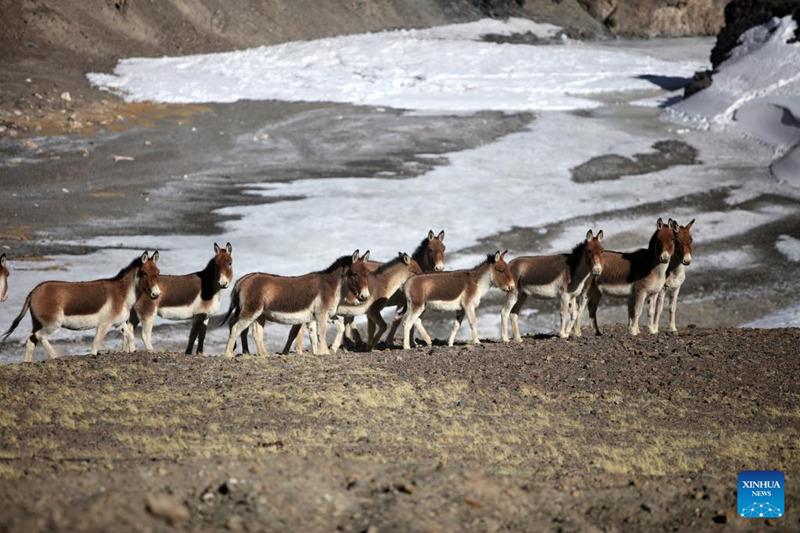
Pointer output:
x,y
676,275
79,305
547,277
458,290
429,256
296,300
193,296
633,275
3,278
384,282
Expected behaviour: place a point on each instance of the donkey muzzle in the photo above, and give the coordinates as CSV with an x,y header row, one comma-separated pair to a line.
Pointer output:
x,y
597,270
664,257
687,259
363,295
438,267
155,292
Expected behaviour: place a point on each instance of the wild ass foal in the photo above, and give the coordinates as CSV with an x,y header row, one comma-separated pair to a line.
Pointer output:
x,y
676,275
3,278
296,300
548,277
78,305
458,290
632,275
196,296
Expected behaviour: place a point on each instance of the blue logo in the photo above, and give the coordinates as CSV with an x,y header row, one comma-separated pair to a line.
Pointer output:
x,y
760,494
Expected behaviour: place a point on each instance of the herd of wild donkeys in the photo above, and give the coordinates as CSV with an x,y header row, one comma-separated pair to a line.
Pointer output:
x,y
353,286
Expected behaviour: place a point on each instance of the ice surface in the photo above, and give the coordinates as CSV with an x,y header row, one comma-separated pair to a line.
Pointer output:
x,y
788,317
441,69
756,91
790,247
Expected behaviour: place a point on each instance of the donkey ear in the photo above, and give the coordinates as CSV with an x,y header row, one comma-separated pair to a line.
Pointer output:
x,y
673,225
145,257
229,248
430,235
589,235
503,255
217,249
3,260
689,225
441,235
155,257
659,224
496,256
354,257
366,256
599,236
404,257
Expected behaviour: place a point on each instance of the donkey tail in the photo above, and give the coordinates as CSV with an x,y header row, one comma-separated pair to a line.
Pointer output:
x,y
20,316
234,308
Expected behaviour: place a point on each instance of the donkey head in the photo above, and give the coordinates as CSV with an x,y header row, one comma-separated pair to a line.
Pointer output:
x,y
683,240
147,276
501,273
3,278
358,279
434,251
664,241
412,267
593,252
223,265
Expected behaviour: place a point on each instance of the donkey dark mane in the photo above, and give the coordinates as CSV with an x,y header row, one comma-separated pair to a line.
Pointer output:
x,y
342,262
420,249
386,266
208,280
651,246
136,263
575,255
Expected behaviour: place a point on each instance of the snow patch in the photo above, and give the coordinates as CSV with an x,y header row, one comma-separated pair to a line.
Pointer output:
x,y
790,247
441,69
788,317
756,91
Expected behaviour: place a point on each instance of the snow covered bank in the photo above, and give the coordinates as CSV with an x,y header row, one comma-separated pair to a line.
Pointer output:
x,y
440,69
757,92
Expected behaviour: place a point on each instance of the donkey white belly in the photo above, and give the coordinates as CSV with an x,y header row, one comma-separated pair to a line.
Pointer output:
x,y
544,292
300,317
184,312
617,291
81,322
444,305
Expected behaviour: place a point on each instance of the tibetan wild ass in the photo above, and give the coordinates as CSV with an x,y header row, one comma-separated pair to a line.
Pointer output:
x,y
676,275
193,296
429,255
296,300
458,290
548,277
3,278
79,305
633,275
384,282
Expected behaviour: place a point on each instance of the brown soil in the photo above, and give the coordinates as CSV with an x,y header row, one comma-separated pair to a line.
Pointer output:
x,y
601,433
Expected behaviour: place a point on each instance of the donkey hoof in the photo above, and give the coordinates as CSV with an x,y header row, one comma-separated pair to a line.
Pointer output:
x,y
228,355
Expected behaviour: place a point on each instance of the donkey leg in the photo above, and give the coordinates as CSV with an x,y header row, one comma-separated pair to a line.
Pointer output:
x,y
594,301
322,328
562,331
245,344
32,341
239,327
411,317
659,306
580,302
456,324
652,312
511,300
396,321
51,352
375,319
673,308
637,306
422,332
99,337
258,335
337,322
201,336
473,324
295,331
312,337
196,322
